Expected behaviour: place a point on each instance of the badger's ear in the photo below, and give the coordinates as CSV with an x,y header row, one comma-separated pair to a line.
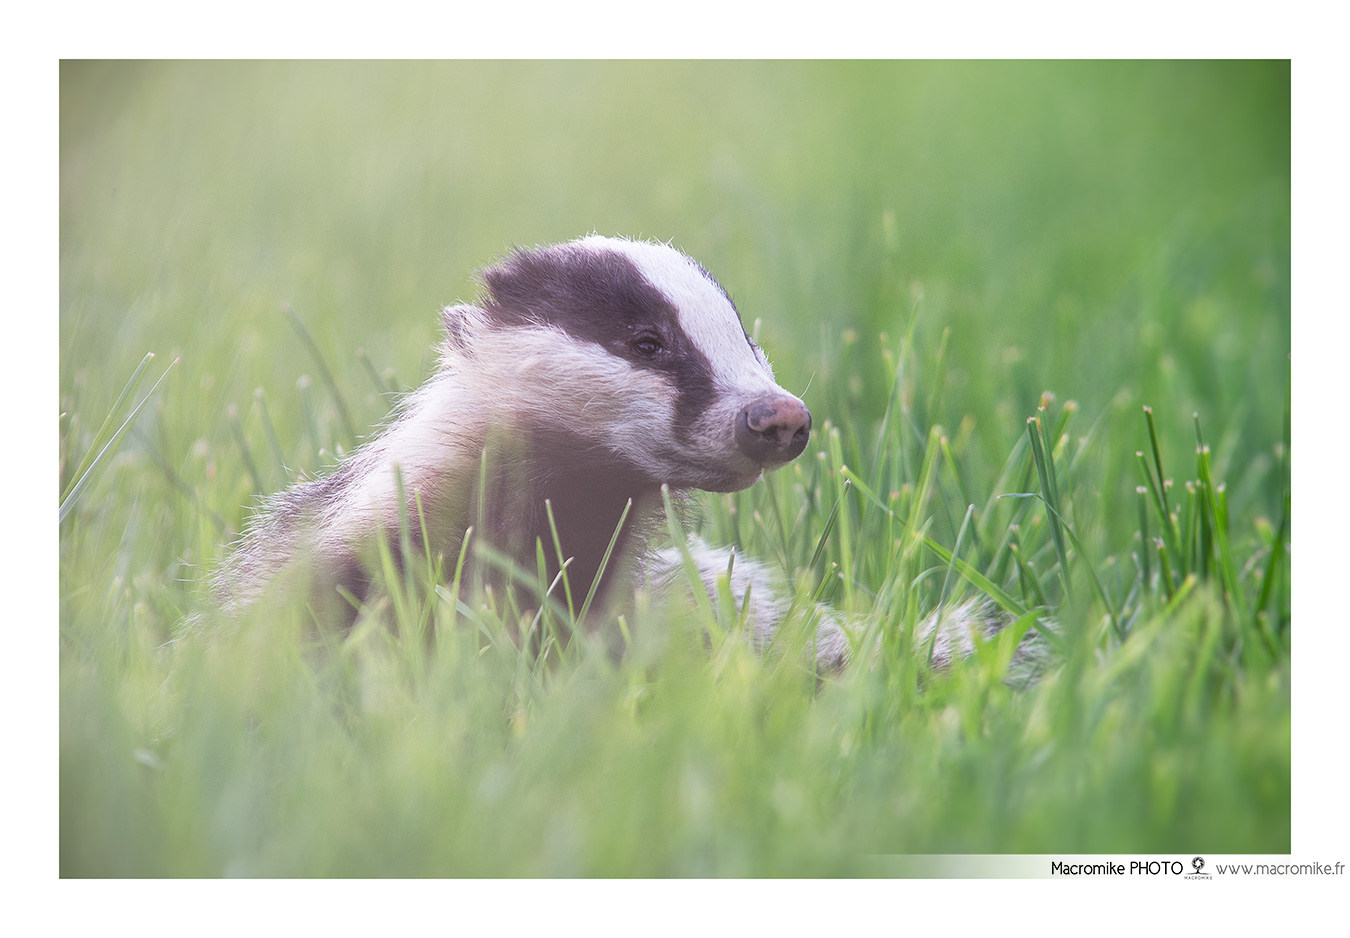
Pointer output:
x,y
461,323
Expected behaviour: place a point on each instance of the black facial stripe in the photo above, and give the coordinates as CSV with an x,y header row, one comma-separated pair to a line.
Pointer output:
x,y
601,296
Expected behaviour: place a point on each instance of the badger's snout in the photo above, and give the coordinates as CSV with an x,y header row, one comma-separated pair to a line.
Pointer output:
x,y
773,430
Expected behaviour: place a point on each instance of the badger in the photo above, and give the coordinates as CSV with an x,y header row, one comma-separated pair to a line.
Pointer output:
x,y
589,376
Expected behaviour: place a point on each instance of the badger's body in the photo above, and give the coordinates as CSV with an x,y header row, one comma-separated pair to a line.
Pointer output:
x,y
590,375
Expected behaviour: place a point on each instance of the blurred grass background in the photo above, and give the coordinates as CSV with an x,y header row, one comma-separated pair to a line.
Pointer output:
x,y
1087,228
1115,233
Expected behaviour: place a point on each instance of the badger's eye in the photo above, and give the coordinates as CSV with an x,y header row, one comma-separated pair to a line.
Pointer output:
x,y
647,345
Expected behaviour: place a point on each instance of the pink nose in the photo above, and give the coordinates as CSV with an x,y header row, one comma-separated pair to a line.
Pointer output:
x,y
773,430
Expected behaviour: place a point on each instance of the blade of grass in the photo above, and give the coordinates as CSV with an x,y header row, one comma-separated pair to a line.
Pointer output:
x,y
844,518
1165,523
1147,573
956,552
375,378
232,416
129,389
955,470
1276,555
452,595
562,561
1048,443
1096,581
309,419
829,525
270,432
609,551
976,578
1032,591
176,480
1039,455
1168,584
325,375
1157,452
81,482
1171,535
1218,511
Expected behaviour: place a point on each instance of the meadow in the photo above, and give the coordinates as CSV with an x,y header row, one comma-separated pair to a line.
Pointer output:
x,y
1040,313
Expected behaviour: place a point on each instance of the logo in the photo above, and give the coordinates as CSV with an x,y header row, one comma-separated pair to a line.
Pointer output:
x,y
1198,866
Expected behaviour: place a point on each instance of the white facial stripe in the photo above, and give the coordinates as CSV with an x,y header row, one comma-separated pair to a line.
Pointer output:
x,y
546,377
706,315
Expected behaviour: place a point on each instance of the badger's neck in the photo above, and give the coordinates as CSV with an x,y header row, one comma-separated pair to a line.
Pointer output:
x,y
488,468
588,489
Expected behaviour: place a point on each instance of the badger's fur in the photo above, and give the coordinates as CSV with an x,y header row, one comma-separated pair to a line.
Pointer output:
x,y
589,375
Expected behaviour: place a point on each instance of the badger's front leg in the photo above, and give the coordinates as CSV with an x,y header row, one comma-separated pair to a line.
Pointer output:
x,y
767,594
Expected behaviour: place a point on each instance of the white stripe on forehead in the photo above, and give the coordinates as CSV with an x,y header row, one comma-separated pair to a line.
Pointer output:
x,y
706,315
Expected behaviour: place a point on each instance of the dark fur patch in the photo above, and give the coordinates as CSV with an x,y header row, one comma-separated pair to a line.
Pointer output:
x,y
588,489
603,297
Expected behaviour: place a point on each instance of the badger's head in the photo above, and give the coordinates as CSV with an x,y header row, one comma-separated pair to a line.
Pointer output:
x,y
634,347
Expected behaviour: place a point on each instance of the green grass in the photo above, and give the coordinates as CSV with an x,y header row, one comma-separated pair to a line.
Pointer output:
x,y
978,275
